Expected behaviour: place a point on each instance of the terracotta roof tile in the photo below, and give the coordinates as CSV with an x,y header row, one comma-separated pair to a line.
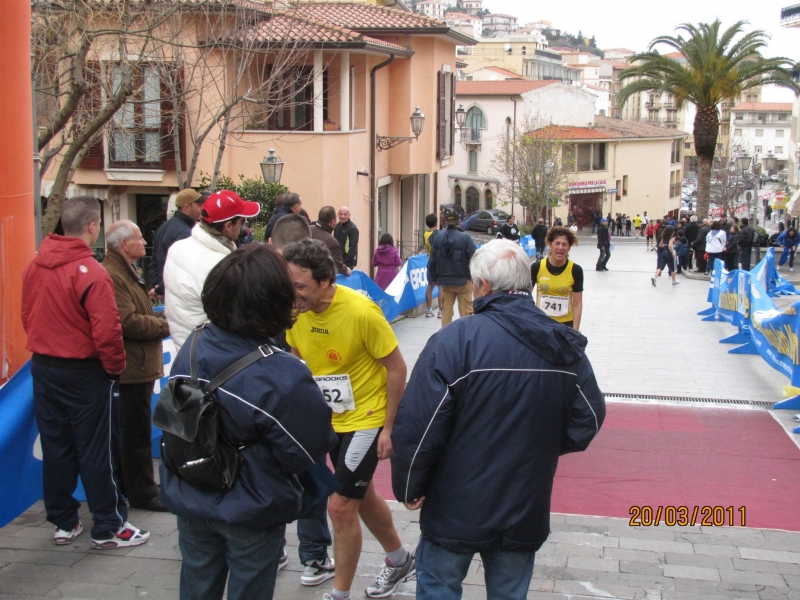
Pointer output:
x,y
505,73
608,128
366,16
290,28
508,87
765,106
457,16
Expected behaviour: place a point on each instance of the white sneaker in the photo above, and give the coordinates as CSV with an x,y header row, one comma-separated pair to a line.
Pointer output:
x,y
125,536
317,571
63,537
284,560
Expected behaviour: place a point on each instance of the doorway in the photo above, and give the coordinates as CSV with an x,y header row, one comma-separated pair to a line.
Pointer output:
x,y
583,205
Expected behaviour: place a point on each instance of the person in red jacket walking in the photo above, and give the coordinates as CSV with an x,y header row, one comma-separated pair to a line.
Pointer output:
x,y
70,315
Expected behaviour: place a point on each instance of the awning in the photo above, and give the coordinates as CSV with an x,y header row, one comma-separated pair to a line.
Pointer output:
x,y
588,190
793,208
101,193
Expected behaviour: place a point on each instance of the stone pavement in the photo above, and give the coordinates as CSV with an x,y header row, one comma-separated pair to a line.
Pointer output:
x,y
643,342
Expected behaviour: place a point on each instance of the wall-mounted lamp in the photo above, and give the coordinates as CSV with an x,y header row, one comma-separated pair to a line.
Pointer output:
x,y
385,142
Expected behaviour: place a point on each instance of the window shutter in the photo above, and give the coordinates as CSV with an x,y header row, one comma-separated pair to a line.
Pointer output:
x,y
95,157
452,113
168,162
441,122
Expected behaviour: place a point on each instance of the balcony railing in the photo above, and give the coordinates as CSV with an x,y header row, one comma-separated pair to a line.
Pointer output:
x,y
759,122
670,106
675,190
470,136
653,105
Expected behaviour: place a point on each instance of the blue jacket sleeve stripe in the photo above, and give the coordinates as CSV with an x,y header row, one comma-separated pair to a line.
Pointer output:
x,y
421,440
266,414
594,414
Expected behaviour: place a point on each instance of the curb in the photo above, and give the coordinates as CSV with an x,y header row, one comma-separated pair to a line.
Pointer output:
x,y
697,276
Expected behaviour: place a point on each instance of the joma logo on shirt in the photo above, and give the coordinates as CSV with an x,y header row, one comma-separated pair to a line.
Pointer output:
x,y
318,330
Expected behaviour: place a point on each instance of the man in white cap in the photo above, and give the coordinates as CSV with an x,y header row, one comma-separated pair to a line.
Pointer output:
x,y
190,261
188,208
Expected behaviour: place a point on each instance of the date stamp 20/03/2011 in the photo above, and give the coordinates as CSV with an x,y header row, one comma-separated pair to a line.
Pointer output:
x,y
706,516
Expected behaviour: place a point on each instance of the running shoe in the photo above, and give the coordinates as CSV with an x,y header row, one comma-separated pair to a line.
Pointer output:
x,y
391,577
439,316
653,281
283,561
428,313
317,571
676,283
63,537
125,536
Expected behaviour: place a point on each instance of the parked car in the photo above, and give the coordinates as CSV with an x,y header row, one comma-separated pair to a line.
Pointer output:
x,y
457,207
489,221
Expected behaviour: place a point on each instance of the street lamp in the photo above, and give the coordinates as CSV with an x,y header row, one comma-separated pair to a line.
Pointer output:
x,y
461,116
271,167
385,142
549,167
770,162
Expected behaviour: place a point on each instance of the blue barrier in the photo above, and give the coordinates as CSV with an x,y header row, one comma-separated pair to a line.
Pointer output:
x,y
745,300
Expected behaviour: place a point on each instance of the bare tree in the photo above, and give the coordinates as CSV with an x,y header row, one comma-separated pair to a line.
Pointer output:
x,y
534,164
85,55
728,184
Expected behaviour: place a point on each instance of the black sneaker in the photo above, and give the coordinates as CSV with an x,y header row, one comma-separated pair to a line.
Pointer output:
x,y
391,577
317,571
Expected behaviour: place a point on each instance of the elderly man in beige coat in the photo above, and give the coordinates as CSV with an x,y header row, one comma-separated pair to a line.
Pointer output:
x,y
142,332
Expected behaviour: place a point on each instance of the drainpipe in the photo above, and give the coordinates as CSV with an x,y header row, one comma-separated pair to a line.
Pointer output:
x,y
372,150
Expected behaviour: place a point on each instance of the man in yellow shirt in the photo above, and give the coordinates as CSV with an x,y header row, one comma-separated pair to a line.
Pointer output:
x,y
431,221
354,356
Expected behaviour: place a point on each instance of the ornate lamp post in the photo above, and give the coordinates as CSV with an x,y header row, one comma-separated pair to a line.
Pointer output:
x,y
271,167
385,142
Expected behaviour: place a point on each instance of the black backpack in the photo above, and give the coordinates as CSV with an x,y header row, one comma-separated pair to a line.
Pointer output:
x,y
194,446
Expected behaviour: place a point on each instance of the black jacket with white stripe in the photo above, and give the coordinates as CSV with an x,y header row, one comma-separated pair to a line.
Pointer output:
x,y
493,401
275,405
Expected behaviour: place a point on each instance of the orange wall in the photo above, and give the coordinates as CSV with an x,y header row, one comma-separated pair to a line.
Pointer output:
x,y
16,180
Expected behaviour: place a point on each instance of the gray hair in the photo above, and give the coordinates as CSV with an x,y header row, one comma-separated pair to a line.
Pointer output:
x,y
121,230
503,264
78,213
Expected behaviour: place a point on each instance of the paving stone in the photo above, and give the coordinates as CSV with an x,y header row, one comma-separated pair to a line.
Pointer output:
x,y
716,550
630,555
685,572
754,577
765,566
773,555
656,545
593,564
693,560
640,568
565,549
584,539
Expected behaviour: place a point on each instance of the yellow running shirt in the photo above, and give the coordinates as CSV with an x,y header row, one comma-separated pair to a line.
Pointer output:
x,y
427,238
554,292
347,339
637,222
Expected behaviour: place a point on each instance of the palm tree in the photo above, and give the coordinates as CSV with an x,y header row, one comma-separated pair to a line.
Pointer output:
x,y
719,65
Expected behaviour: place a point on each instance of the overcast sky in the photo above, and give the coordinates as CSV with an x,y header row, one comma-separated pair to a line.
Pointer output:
x,y
618,24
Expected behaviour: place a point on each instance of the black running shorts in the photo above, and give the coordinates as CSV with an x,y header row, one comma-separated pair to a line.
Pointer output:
x,y
355,460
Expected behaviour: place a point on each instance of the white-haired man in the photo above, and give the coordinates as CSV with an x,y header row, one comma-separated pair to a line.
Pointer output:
x,y
493,401
142,332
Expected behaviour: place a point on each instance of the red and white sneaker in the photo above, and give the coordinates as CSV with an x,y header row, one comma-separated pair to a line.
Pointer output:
x,y
63,537
127,535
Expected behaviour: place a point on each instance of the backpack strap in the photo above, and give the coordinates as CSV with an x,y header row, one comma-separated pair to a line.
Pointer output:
x,y
244,362
193,353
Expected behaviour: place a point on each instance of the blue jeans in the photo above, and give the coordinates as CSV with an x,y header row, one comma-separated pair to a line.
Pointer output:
x,y
440,572
788,253
314,534
212,549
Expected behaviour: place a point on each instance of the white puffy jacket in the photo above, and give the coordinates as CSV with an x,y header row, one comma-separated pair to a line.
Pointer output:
x,y
188,264
715,242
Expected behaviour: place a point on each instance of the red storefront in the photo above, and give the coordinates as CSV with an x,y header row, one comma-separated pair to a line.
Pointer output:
x,y
585,197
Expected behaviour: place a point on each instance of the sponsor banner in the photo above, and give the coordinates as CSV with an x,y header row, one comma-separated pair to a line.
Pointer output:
x,y
745,299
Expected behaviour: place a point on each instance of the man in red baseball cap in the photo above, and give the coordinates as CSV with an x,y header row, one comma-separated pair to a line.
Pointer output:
x,y
190,261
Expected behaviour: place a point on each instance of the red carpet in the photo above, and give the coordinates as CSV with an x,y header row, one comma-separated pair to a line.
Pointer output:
x,y
654,456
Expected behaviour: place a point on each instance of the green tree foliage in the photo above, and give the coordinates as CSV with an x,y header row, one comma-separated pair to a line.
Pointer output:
x,y
720,65
254,190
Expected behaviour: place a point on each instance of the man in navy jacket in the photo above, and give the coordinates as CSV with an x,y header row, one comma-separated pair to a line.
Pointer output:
x,y
493,401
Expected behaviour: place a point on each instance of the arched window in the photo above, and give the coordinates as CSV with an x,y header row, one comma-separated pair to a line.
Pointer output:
x,y
475,122
473,200
489,199
457,194
473,161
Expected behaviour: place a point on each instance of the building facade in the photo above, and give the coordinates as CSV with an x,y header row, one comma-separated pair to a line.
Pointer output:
x,y
497,25
327,135
764,127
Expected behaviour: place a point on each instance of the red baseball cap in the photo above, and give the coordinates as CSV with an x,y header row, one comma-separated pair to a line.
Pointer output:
x,y
225,205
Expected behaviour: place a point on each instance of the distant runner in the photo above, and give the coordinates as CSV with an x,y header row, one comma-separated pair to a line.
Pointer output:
x,y
558,280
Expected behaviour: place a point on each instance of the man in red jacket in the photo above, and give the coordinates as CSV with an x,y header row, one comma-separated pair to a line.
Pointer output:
x,y
70,314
